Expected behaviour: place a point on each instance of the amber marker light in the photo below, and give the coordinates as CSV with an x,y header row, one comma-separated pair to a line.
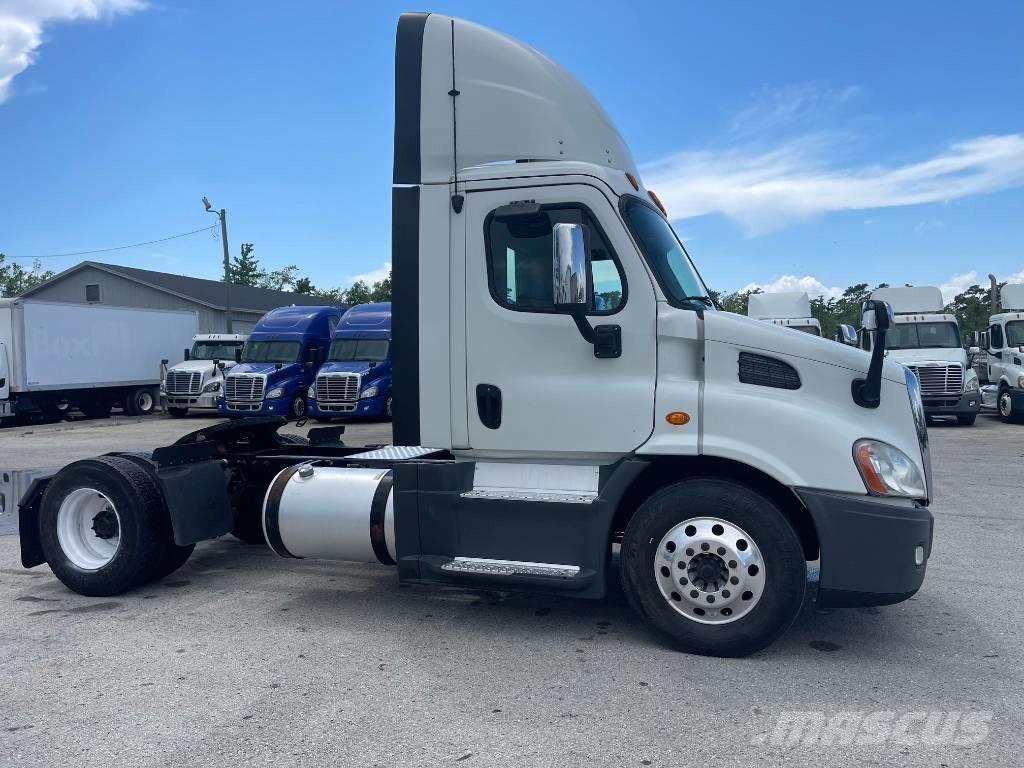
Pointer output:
x,y
657,201
866,465
633,181
677,418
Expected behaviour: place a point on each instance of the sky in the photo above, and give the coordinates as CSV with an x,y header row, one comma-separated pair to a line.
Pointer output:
x,y
796,145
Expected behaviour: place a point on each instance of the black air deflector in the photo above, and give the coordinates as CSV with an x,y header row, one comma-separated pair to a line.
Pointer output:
x,y
767,372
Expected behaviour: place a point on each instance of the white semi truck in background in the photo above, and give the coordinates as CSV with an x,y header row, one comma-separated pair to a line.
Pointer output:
x,y
195,383
1004,353
790,309
58,356
926,339
535,426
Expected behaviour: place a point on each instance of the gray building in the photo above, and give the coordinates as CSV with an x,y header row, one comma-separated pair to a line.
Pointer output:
x,y
92,282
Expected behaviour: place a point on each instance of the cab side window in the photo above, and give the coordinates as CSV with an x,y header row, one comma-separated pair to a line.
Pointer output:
x,y
995,337
519,261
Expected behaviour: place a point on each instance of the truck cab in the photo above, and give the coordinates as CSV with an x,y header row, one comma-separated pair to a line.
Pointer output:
x,y
278,362
355,379
1004,353
196,382
927,340
789,309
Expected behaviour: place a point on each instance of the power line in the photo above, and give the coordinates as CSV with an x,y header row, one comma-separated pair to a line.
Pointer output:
x,y
118,247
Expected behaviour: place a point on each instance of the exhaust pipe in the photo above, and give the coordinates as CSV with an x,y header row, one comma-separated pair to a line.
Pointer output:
x,y
331,513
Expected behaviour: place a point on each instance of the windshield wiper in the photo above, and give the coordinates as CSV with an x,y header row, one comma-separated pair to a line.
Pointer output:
x,y
705,300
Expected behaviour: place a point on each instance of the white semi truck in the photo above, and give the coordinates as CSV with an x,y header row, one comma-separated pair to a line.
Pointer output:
x,y
926,339
1005,353
195,383
536,428
790,309
56,356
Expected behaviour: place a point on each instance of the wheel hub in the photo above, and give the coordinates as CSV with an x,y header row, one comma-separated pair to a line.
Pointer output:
x,y
88,528
104,524
709,570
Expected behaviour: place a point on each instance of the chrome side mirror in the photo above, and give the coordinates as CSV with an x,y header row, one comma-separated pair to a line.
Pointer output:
x,y
571,274
876,315
847,335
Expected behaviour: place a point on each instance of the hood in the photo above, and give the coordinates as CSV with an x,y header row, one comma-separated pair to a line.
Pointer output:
x,y
349,366
264,368
757,335
203,366
943,355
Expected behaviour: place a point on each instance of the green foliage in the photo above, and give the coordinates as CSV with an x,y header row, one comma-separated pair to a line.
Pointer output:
x,y
736,302
972,308
15,279
245,268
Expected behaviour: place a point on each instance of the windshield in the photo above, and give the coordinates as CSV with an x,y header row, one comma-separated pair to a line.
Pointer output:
x,y
270,352
347,350
807,329
940,335
1015,333
664,252
214,350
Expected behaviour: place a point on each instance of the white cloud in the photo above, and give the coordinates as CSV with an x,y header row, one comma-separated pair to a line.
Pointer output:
x,y
788,105
22,23
764,191
811,285
958,284
371,277
1016,277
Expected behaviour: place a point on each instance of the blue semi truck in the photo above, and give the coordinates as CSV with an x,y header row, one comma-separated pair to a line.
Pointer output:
x,y
279,362
356,378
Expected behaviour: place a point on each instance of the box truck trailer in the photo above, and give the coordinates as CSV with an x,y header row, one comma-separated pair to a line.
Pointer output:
x,y
355,380
56,356
926,339
538,430
790,309
198,380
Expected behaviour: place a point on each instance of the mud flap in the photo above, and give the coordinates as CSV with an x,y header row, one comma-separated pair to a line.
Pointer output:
x,y
197,500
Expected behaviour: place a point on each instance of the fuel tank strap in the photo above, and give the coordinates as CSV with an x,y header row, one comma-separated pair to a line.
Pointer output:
x,y
378,509
273,507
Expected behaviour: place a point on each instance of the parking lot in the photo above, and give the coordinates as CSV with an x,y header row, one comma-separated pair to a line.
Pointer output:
x,y
243,658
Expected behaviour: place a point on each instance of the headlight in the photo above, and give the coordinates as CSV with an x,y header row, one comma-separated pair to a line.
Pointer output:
x,y
163,386
368,392
887,471
972,384
213,386
311,392
275,393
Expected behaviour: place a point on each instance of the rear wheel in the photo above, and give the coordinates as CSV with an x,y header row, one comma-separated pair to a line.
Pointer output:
x,y
103,526
966,420
715,565
177,413
96,409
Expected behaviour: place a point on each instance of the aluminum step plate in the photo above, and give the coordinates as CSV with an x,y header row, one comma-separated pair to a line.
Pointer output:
x,y
537,496
511,568
393,453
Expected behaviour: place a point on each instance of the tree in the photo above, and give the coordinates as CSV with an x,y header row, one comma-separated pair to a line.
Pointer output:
x,y
15,279
280,279
245,268
381,290
971,308
737,301
359,293
304,285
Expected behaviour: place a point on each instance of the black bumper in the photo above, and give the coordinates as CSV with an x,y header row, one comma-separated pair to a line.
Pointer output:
x,y
964,405
868,547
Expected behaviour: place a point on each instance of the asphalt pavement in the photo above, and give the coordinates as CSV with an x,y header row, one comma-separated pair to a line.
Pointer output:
x,y
241,658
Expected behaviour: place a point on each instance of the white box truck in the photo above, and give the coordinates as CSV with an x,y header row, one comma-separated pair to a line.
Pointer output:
x,y
926,339
1004,353
54,356
196,382
790,309
535,426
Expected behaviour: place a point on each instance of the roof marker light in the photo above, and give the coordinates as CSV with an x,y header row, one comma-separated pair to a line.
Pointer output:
x,y
657,202
633,181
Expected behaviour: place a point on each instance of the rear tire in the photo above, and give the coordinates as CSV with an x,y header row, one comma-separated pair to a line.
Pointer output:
x,y
731,604
177,413
968,420
96,409
103,525
247,525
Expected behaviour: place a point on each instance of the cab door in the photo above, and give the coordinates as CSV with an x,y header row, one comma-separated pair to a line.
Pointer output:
x,y
995,353
533,383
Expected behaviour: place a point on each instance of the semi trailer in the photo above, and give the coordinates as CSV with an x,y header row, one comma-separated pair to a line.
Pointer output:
x,y
355,380
542,435
278,362
1004,353
56,356
790,309
197,381
926,339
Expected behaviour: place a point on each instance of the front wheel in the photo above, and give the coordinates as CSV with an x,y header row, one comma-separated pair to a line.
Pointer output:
x,y
1005,406
140,402
388,407
966,420
715,565
298,407
177,413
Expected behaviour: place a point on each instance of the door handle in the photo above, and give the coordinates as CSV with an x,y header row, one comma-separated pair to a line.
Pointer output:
x,y
488,405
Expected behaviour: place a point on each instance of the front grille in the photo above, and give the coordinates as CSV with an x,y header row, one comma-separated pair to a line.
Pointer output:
x,y
939,380
184,382
337,388
243,388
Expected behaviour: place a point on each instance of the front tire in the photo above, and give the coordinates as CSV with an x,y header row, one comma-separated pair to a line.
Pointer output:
x,y
388,407
714,565
140,402
298,408
966,420
1004,404
177,413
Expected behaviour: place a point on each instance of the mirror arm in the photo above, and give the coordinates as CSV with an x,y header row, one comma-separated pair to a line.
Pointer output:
x,y
867,393
586,330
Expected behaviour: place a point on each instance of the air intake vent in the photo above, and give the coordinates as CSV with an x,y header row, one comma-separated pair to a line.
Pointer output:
x,y
767,372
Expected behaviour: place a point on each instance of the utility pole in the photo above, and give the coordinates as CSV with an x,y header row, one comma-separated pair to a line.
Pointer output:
x,y
223,215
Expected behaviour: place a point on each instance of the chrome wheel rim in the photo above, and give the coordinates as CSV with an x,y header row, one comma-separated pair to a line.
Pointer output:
x,y
144,402
299,406
709,570
88,528
1005,404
